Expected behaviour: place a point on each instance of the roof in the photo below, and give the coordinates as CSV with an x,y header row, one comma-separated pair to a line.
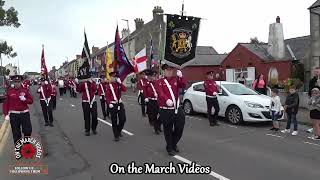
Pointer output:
x,y
299,46
207,56
315,5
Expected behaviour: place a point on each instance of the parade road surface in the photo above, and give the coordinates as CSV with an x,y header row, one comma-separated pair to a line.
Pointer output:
x,y
246,152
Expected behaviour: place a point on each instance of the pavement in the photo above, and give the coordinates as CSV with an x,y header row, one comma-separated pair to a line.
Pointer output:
x,y
245,152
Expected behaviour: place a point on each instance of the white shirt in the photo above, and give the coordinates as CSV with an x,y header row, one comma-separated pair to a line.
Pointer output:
x,y
275,104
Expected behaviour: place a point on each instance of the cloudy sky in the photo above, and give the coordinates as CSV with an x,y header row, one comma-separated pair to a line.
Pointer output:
x,y
59,24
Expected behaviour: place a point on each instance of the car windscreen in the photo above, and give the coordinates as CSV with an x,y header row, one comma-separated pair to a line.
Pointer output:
x,y
239,89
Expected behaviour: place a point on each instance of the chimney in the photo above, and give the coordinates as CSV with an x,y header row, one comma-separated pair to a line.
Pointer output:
x,y
157,12
125,33
276,47
94,49
78,56
139,23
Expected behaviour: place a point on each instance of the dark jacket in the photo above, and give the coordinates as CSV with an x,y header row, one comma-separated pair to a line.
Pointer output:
x,y
292,101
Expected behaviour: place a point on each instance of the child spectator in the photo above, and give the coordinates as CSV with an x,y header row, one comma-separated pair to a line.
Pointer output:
x,y
291,107
275,109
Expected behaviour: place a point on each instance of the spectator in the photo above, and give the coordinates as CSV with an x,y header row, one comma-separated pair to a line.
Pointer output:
x,y
260,85
314,103
275,109
314,82
291,107
241,79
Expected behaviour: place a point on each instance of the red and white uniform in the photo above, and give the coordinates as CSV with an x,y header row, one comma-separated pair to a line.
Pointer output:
x,y
102,89
113,92
168,88
142,86
210,87
151,92
54,90
88,90
45,91
13,103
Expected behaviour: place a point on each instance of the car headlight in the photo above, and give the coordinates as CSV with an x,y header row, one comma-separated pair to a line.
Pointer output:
x,y
253,105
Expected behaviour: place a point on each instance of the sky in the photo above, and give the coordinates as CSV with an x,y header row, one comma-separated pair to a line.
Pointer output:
x,y
59,24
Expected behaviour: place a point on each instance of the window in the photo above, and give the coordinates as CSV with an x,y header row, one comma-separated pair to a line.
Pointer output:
x,y
199,87
239,89
237,72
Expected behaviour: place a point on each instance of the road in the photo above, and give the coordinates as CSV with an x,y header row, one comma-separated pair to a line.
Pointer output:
x,y
247,152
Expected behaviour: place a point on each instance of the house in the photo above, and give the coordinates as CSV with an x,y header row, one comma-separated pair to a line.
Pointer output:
x,y
32,75
206,59
274,59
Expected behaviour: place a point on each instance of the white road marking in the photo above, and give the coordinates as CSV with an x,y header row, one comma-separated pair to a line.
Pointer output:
x,y
274,135
130,96
72,105
107,123
311,143
214,174
60,99
233,126
194,118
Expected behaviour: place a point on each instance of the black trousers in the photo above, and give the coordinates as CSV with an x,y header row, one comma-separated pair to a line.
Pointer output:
x,y
54,102
61,91
153,111
143,105
71,91
90,116
173,125
74,93
18,122
103,106
47,111
116,113
212,102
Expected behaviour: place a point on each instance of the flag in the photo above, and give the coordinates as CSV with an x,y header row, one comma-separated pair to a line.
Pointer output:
x,y
181,39
44,70
140,61
121,63
109,67
84,69
152,60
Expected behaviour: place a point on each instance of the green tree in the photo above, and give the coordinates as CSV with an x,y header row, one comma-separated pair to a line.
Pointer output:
x,y
4,71
8,17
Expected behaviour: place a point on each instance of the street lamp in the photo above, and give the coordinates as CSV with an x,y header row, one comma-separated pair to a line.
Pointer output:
x,y
129,44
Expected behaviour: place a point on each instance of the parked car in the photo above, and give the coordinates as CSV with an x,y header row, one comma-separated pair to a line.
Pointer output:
x,y
3,92
237,102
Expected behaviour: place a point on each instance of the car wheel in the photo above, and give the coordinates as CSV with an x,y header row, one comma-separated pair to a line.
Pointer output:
x,y
234,115
187,107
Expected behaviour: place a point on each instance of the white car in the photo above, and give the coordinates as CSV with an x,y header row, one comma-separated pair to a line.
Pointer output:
x,y
237,102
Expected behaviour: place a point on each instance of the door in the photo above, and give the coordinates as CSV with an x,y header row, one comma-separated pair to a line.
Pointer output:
x,y
199,102
230,75
223,102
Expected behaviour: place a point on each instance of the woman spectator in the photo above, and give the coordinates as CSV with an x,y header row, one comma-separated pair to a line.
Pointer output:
x,y
260,85
241,79
314,103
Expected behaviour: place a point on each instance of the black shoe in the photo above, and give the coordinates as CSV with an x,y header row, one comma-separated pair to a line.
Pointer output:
x,y
216,124
87,134
160,130
51,125
176,149
116,139
105,118
171,153
157,132
46,124
95,132
272,129
120,135
276,129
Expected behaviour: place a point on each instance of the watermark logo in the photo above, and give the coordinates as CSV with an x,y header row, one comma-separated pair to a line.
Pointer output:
x,y
28,152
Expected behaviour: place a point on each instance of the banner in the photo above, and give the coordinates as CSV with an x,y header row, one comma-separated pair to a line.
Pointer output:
x,y
109,66
44,70
84,69
181,39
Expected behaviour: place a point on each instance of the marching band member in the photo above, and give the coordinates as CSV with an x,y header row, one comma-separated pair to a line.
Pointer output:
x,y
114,101
142,84
212,91
53,95
152,100
102,95
171,114
15,109
88,89
45,91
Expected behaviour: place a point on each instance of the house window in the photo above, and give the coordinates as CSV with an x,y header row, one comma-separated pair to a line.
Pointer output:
x,y
237,72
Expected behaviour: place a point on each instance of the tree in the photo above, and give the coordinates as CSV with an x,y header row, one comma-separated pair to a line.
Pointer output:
x,y
255,40
8,18
4,71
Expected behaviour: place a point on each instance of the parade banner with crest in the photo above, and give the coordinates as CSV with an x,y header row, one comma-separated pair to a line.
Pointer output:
x,y
84,69
181,39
